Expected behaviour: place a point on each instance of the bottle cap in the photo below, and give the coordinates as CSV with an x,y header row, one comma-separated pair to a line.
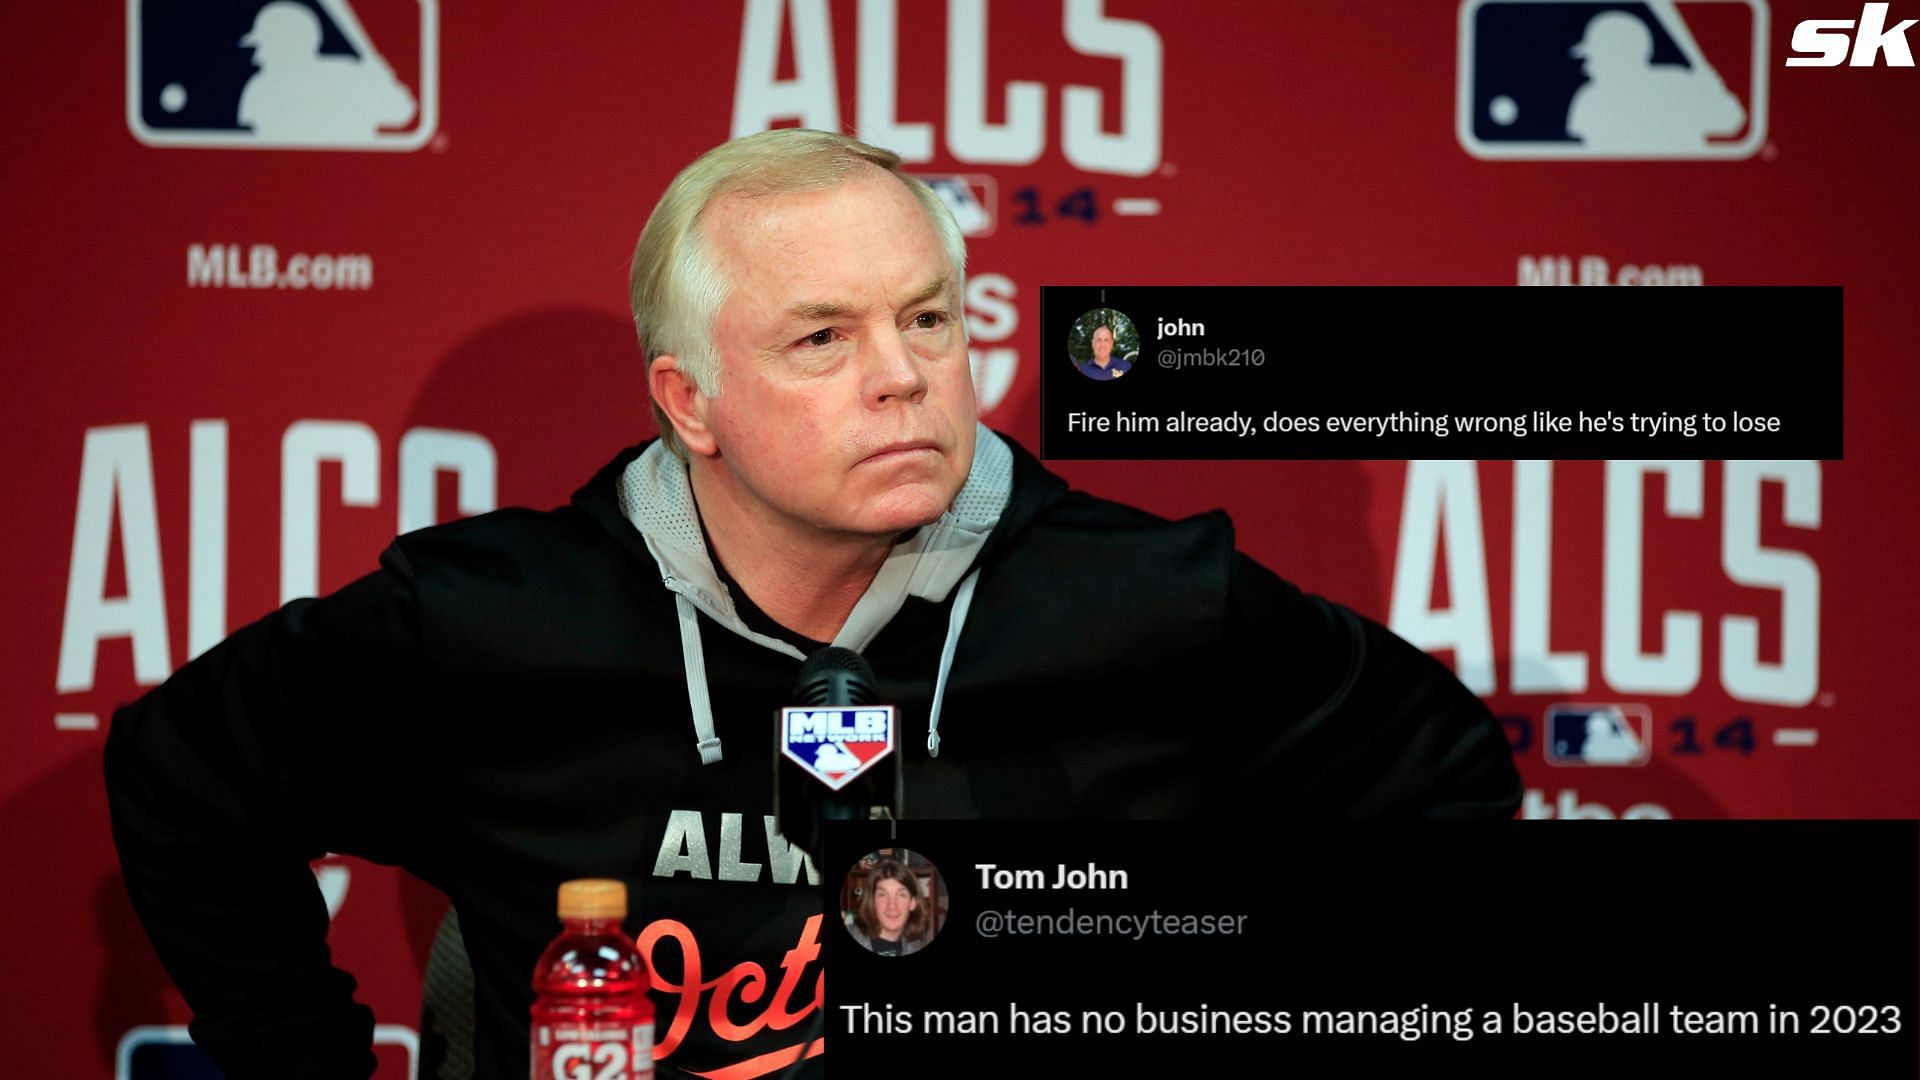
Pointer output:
x,y
593,898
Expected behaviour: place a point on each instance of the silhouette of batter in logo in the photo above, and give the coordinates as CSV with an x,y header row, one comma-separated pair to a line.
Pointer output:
x,y
1608,740
834,758
300,96
1631,105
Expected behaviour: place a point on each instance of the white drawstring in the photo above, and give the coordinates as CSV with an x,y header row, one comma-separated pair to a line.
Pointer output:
x,y
962,599
701,704
696,665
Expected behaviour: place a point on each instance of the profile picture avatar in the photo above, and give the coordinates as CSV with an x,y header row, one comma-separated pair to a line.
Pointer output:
x,y
893,902
1103,344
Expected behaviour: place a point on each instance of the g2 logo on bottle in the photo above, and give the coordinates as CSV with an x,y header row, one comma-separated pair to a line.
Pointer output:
x,y
577,1061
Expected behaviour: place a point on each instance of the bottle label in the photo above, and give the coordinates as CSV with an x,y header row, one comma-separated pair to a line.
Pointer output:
x,y
573,1051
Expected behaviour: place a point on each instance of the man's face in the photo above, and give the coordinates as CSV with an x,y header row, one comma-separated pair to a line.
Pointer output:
x,y
892,903
1102,344
846,401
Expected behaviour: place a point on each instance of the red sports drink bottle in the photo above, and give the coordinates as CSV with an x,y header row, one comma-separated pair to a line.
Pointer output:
x,y
592,1019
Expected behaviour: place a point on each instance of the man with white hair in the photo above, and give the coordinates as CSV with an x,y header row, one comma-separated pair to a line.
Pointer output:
x,y
522,698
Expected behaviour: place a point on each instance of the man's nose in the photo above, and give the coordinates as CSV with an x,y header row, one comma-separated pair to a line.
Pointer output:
x,y
894,372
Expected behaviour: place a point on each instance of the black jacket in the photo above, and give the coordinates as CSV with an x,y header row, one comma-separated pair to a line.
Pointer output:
x,y
502,706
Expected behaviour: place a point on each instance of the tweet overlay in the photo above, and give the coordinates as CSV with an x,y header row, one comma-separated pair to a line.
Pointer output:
x,y
1244,372
1518,948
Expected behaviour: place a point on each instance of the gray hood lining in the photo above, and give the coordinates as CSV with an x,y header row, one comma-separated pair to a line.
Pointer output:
x,y
656,496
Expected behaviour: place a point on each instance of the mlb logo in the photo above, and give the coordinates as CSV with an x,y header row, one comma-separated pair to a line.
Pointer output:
x,y
1606,80
283,74
970,197
837,743
1599,735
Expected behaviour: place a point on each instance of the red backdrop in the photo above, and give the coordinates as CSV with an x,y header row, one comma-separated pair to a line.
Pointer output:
x,y
186,453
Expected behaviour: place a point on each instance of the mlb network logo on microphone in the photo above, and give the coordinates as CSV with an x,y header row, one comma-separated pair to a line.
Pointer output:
x,y
836,743
1608,80
283,74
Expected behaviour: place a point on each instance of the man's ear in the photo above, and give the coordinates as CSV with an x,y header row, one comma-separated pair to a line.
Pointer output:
x,y
683,403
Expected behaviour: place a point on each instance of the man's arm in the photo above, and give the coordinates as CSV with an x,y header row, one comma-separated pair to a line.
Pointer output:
x,y
1363,724
225,782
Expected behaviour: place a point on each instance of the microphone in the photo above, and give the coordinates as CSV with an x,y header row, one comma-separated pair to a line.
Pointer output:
x,y
835,676
834,754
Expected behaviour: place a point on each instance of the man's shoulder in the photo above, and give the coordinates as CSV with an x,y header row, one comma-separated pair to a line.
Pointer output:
x,y
505,540
517,565
1095,555
1074,517
1082,516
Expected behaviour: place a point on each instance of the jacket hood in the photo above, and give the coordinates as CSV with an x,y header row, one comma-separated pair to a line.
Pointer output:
x,y
1005,490
644,498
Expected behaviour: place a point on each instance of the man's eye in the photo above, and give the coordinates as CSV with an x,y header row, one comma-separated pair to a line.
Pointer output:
x,y
928,320
818,338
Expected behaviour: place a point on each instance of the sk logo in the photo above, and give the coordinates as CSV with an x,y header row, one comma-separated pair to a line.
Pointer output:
x,y
1612,80
284,74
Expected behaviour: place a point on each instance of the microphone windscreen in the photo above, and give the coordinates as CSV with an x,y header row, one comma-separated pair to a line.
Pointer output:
x,y
835,676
